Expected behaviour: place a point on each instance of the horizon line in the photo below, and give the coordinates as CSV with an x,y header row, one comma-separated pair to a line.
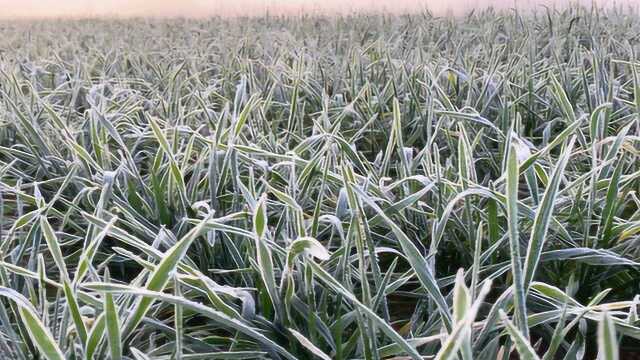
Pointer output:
x,y
311,10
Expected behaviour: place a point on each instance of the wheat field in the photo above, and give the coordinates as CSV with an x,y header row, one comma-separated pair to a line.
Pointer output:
x,y
353,187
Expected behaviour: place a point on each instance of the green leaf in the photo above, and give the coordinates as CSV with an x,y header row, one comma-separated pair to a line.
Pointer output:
x,y
161,276
38,333
525,351
69,293
384,326
543,217
260,217
309,345
607,342
462,327
112,324
514,242
417,261
198,308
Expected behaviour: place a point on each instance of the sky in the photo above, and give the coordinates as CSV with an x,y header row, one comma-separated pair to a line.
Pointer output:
x,y
200,8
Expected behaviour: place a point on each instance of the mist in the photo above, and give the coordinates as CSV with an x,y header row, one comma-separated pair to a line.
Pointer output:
x,y
228,8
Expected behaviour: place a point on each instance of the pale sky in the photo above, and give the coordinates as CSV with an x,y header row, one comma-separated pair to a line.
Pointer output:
x,y
200,8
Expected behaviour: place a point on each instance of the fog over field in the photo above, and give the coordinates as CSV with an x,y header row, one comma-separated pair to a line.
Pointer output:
x,y
203,8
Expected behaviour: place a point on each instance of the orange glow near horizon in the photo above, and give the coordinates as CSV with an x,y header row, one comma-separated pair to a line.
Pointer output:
x,y
203,8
